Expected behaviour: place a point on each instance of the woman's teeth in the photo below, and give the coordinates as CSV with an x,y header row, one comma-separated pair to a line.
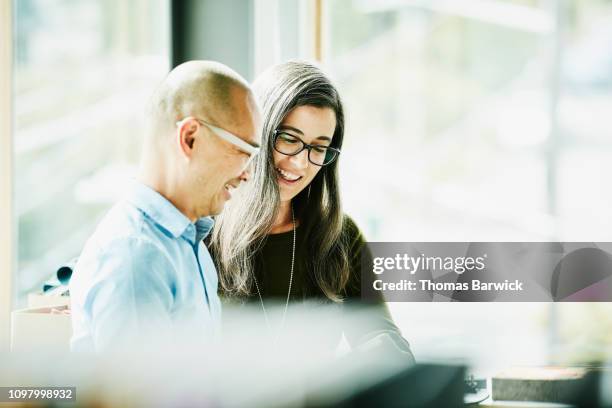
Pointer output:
x,y
288,176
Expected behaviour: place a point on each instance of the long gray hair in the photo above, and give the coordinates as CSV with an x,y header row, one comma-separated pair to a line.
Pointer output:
x,y
247,219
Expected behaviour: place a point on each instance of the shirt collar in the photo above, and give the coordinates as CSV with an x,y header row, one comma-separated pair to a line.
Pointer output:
x,y
166,215
203,227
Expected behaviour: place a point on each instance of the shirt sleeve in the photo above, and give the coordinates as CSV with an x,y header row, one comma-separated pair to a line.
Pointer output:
x,y
378,320
130,296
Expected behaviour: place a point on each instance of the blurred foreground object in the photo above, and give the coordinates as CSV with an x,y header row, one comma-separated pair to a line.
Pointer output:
x,y
247,368
579,386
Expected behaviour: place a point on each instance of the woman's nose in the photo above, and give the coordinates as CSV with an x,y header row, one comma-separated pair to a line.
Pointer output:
x,y
300,160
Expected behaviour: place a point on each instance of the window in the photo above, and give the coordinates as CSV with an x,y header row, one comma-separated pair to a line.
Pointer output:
x,y
462,116
490,122
83,73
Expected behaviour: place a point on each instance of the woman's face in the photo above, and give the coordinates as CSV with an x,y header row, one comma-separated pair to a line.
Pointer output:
x,y
314,126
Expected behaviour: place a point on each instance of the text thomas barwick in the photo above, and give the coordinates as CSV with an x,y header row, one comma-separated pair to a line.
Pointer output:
x,y
426,284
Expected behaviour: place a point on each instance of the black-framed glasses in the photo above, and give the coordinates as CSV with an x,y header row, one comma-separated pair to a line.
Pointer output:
x,y
291,145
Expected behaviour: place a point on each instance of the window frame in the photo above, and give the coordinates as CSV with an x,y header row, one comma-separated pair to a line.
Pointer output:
x,y
7,237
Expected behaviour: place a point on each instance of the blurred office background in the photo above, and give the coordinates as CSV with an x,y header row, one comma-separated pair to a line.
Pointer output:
x,y
467,120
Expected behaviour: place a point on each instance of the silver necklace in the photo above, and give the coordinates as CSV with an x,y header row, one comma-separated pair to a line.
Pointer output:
x,y
290,280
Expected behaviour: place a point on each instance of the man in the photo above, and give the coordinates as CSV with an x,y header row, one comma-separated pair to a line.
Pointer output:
x,y
145,273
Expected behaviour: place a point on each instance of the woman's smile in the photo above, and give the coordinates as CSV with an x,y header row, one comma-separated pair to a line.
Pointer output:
x,y
288,177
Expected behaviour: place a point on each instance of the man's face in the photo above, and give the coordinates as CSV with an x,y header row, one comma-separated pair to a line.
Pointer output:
x,y
218,167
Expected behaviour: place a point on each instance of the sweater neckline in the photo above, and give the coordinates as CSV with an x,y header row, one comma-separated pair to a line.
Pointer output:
x,y
283,236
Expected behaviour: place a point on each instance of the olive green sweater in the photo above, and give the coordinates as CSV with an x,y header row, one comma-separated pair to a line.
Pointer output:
x,y
272,264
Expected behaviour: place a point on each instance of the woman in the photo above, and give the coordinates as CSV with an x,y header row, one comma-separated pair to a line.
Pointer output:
x,y
286,236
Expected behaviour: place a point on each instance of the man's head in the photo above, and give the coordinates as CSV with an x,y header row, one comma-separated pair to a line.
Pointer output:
x,y
190,155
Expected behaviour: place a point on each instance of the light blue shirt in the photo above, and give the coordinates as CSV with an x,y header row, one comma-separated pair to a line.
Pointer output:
x,y
144,272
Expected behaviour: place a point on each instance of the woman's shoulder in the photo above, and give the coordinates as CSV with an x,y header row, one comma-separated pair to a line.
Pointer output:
x,y
351,231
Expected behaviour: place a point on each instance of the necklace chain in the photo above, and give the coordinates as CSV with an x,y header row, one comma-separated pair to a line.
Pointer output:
x,y
290,281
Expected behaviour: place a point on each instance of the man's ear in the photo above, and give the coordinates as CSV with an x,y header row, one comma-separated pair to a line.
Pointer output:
x,y
186,136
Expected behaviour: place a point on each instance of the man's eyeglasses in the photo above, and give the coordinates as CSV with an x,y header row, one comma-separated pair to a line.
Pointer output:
x,y
225,135
291,145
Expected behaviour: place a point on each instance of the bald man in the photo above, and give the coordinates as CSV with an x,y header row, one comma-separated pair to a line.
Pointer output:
x,y
145,274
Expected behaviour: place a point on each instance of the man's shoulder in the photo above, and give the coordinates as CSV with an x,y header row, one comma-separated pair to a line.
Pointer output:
x,y
124,222
124,241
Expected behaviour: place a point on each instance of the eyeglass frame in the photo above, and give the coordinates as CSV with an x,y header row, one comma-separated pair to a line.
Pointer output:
x,y
305,145
225,135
